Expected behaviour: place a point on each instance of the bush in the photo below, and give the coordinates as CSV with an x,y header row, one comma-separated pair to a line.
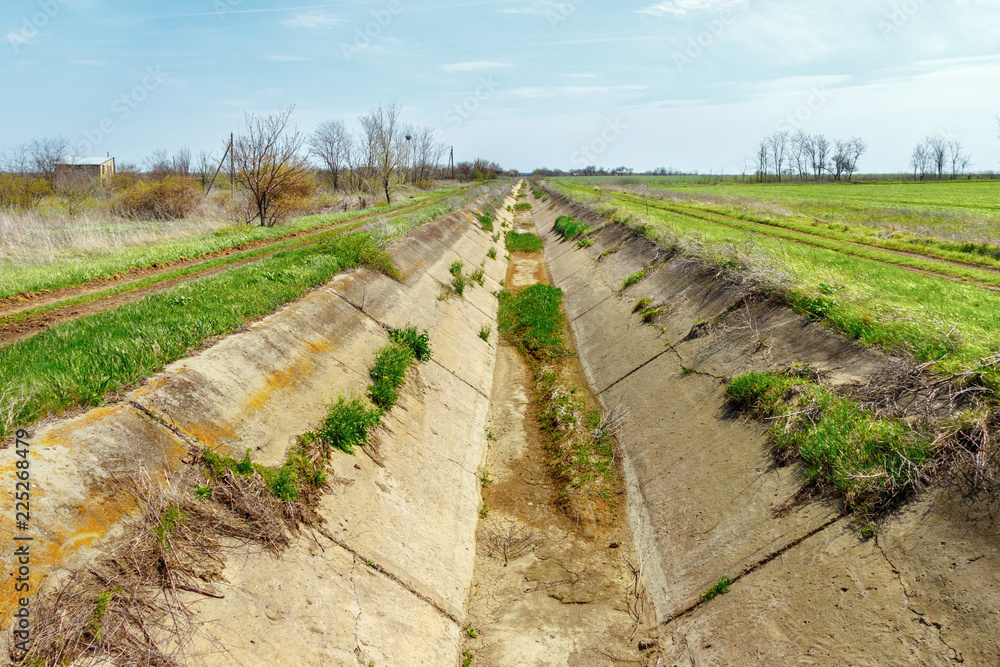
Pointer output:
x,y
170,198
22,192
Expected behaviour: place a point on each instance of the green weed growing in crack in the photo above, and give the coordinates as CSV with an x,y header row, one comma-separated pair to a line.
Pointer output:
x,y
485,331
721,587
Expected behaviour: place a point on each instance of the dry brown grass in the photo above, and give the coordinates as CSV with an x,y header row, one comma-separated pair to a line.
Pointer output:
x,y
131,605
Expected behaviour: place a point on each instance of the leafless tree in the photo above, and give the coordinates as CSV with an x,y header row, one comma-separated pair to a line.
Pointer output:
x,y
919,160
206,166
385,145
45,153
820,154
959,160
159,164
778,144
937,148
331,144
801,148
856,148
17,159
181,162
269,164
763,152
839,159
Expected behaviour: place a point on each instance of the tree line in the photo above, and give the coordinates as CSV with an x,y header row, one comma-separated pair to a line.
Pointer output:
x,y
807,156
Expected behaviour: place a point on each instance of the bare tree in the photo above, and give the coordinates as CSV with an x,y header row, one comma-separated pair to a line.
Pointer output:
x,y
919,160
385,145
181,162
820,154
331,144
158,164
763,152
839,159
778,144
800,150
959,160
269,164
45,153
856,148
17,159
938,151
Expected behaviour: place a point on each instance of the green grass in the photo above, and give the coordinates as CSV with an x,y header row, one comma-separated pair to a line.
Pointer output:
x,y
478,276
347,424
523,242
78,363
492,254
485,331
417,341
456,267
388,373
570,228
522,207
868,461
486,220
170,521
633,279
721,587
458,284
72,271
642,304
532,320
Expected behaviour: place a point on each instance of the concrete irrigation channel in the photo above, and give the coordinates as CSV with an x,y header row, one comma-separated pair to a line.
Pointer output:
x,y
404,571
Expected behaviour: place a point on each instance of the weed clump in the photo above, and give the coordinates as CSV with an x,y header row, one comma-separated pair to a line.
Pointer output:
x,y
347,423
721,587
492,254
485,331
418,342
388,373
532,320
633,279
869,461
523,242
570,228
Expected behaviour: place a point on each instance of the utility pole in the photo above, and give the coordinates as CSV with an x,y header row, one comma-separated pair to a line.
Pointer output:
x,y
232,160
451,161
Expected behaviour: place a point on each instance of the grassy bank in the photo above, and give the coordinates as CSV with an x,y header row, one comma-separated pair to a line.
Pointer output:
x,y
107,263
951,324
78,363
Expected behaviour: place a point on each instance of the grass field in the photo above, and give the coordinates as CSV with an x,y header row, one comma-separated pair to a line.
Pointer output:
x,y
877,299
107,254
953,210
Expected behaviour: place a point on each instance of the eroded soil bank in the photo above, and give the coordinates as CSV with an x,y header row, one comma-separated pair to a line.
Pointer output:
x,y
706,499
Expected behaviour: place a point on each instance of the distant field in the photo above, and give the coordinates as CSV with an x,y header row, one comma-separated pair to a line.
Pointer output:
x,y
982,196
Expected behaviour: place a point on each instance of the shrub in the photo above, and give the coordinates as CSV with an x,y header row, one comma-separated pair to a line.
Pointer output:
x,y
458,283
486,220
456,267
492,254
478,276
170,198
22,192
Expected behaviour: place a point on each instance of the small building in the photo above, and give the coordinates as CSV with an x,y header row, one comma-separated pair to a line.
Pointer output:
x,y
94,168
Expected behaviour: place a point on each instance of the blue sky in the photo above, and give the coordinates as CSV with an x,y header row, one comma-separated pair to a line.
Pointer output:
x,y
689,84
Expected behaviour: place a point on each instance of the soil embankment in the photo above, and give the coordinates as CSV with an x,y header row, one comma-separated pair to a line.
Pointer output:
x,y
707,501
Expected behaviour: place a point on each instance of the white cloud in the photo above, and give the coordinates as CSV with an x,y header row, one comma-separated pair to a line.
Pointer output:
x,y
312,20
681,7
474,66
286,59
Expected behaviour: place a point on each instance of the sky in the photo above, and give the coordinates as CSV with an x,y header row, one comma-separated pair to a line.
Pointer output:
x,y
683,84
